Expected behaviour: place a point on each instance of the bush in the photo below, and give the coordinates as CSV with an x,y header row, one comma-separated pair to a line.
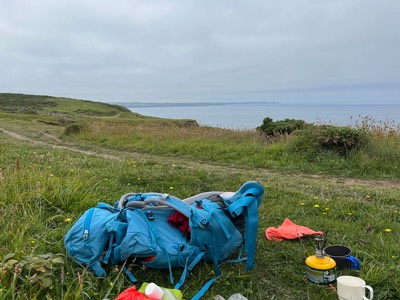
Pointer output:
x,y
74,129
272,128
337,139
341,140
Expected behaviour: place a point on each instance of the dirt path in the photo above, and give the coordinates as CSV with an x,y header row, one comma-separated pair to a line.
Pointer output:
x,y
192,164
74,149
50,136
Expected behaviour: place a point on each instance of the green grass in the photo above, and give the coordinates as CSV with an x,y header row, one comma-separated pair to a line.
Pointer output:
x,y
43,190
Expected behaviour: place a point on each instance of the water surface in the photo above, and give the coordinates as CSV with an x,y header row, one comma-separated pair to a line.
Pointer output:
x,y
250,115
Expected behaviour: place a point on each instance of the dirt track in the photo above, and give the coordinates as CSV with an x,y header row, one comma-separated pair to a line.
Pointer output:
x,y
24,138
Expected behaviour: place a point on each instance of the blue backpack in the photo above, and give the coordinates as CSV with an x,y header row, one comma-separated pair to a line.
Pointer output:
x,y
162,231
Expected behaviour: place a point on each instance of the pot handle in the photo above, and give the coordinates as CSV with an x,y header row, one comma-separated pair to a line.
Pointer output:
x,y
355,262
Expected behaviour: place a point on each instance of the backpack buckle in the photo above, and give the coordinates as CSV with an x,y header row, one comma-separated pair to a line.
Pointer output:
x,y
149,215
205,223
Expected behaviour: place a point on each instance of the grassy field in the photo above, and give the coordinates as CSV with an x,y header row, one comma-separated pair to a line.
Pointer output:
x,y
49,178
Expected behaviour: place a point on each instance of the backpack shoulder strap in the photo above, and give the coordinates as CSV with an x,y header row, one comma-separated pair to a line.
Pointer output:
x,y
201,196
148,200
245,202
196,217
253,188
170,201
154,201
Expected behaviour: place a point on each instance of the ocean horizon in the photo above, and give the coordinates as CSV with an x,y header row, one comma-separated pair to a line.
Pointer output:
x,y
249,115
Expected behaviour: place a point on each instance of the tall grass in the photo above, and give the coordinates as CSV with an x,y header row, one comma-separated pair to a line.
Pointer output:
x,y
247,148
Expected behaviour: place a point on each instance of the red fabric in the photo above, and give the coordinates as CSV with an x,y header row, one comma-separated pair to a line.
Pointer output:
x,y
181,222
132,294
148,259
288,230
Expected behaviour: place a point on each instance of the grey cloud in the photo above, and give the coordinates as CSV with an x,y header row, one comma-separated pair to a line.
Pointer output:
x,y
202,50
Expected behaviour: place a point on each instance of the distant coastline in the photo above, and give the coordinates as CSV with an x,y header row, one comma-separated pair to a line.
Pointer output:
x,y
185,104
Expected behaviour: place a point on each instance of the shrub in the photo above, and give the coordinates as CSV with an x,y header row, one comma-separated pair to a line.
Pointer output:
x,y
74,129
338,139
272,128
341,140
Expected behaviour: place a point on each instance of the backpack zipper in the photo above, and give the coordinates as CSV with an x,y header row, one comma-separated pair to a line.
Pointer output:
x,y
86,225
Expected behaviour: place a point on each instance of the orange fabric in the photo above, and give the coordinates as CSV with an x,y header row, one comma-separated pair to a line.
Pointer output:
x,y
288,230
132,294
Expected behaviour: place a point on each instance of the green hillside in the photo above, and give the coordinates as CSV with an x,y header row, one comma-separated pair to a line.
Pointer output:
x,y
37,104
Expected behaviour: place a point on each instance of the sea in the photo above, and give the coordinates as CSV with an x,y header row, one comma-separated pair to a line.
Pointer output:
x,y
249,115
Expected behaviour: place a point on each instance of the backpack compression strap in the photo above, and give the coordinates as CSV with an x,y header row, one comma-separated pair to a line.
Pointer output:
x,y
97,269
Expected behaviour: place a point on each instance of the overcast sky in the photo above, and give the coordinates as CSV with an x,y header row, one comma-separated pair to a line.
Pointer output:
x,y
205,50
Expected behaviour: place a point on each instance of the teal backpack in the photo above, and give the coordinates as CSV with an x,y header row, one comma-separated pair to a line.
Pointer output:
x,y
162,231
